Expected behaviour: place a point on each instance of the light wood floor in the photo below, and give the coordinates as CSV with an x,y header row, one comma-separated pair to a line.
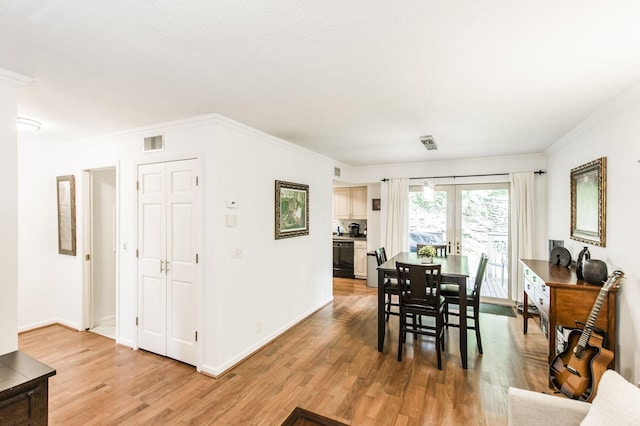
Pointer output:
x,y
327,364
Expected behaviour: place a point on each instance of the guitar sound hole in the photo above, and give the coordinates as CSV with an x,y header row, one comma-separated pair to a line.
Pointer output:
x,y
573,371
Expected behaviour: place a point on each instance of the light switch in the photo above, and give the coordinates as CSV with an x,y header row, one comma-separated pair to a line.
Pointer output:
x,y
236,252
231,220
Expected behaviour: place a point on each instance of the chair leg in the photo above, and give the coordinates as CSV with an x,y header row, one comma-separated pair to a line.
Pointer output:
x,y
401,336
439,341
476,324
387,307
446,314
444,325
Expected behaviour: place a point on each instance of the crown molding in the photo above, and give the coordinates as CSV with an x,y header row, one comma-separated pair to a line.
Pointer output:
x,y
13,79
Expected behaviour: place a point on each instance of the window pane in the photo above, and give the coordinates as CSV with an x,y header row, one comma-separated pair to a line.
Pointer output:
x,y
427,219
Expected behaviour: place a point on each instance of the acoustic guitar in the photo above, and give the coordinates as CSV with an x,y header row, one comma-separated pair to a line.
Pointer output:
x,y
576,372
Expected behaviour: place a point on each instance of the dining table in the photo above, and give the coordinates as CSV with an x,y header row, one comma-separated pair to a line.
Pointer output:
x,y
454,269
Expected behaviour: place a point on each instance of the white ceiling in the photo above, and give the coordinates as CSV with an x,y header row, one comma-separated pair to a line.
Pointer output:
x,y
359,81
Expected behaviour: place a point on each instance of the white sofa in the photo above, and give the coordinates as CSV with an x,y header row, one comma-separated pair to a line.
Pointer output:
x,y
617,402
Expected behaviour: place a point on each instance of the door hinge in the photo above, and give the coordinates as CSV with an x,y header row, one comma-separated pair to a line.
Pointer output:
x,y
196,336
136,321
137,185
137,253
196,257
197,180
87,257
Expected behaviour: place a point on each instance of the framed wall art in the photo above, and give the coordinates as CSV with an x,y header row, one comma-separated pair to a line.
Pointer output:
x,y
291,209
589,202
66,215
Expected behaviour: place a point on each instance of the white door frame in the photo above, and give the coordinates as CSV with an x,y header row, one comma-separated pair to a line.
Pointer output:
x,y
87,294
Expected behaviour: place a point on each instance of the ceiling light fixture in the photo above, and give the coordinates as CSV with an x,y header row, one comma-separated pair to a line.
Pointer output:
x,y
27,124
428,188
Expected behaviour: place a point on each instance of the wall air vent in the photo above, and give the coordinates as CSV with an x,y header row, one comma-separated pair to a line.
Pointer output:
x,y
154,143
428,142
336,172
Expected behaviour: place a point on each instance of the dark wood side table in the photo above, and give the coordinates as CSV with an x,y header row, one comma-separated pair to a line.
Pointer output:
x,y
24,390
562,300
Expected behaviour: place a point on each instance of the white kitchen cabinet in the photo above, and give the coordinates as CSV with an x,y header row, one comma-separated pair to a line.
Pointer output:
x,y
359,202
350,202
360,259
342,203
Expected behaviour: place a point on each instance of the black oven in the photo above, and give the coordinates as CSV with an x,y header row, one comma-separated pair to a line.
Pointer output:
x,y
343,259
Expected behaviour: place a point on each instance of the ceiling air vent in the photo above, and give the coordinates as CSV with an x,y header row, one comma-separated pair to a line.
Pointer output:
x,y
153,143
336,172
428,142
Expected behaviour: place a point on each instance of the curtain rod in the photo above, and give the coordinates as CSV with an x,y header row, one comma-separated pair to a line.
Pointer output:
x,y
539,172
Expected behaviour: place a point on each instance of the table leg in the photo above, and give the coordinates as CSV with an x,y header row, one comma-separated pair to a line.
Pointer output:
x,y
381,327
525,312
462,287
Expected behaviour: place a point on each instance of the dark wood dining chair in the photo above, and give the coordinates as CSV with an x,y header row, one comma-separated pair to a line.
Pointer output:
x,y
390,287
451,293
420,297
441,250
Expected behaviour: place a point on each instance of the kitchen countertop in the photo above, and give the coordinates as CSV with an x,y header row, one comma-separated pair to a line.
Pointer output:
x,y
348,238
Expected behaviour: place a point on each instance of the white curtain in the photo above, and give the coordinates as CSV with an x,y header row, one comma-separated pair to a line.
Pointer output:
x,y
395,238
522,232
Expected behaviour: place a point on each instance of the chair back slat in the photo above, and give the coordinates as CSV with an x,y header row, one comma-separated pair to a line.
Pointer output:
x,y
419,282
482,268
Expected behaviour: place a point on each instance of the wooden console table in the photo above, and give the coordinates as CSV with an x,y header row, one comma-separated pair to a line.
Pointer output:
x,y
562,300
24,390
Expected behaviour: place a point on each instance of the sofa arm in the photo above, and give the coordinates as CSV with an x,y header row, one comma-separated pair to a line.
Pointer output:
x,y
535,408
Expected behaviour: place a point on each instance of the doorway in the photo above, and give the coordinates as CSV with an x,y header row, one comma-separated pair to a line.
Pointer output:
x,y
100,256
470,220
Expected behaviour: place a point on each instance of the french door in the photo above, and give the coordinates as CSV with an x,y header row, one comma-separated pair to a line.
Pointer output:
x,y
167,272
471,220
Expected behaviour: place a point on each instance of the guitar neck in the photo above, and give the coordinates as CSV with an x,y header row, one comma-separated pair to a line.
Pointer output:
x,y
593,316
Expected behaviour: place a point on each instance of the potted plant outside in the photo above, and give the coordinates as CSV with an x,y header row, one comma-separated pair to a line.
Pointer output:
x,y
426,254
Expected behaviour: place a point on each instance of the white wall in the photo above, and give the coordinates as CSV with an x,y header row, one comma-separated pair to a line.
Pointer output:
x,y
611,132
373,217
8,219
38,237
245,302
9,244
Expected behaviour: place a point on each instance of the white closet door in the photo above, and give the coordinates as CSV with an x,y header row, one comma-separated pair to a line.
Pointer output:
x,y
152,291
181,253
168,211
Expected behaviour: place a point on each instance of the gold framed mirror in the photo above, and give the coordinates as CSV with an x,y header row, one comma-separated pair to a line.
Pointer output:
x,y
588,202
66,215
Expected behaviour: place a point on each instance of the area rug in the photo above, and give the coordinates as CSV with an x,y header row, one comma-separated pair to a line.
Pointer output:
x,y
490,308
301,417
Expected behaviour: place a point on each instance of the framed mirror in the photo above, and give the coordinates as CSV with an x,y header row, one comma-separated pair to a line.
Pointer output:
x,y
66,215
588,202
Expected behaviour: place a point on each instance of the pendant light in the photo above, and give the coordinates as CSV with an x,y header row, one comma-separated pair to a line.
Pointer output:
x,y
428,191
428,188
